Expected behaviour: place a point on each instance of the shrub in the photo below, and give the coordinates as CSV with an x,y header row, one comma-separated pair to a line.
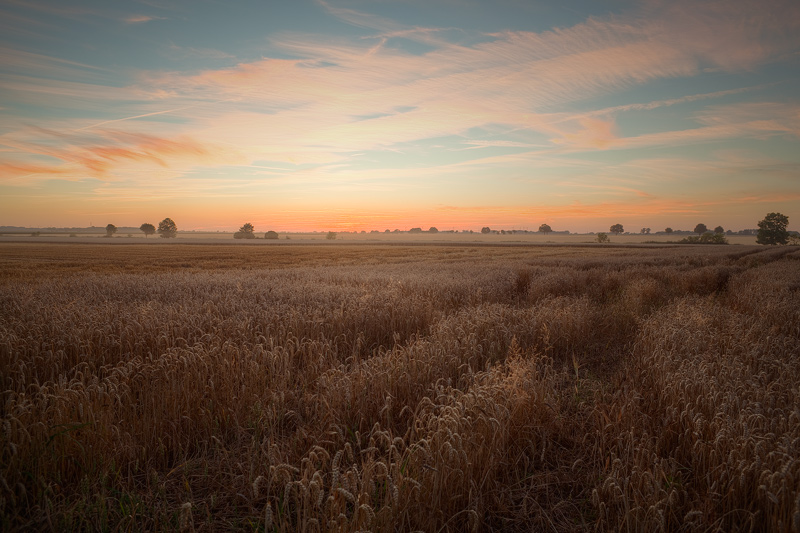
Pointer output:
x,y
705,238
271,235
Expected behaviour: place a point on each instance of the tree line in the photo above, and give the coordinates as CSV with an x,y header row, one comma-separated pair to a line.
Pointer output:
x,y
166,228
771,230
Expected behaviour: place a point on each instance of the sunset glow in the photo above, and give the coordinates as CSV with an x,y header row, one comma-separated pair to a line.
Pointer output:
x,y
361,115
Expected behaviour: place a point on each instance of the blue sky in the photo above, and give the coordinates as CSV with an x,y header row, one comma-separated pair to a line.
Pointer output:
x,y
374,114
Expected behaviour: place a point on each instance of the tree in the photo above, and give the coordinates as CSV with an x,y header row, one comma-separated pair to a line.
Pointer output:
x,y
111,229
486,229
545,228
147,229
271,235
167,228
772,230
700,229
415,230
433,230
331,235
616,229
602,237
245,232
719,229
645,231
668,230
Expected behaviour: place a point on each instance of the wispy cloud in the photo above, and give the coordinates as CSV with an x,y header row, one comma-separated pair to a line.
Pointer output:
x,y
110,152
138,19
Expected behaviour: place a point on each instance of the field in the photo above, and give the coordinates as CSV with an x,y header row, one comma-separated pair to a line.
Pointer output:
x,y
390,387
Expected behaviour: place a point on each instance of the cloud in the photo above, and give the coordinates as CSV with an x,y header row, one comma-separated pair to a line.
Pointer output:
x,y
513,78
138,19
110,152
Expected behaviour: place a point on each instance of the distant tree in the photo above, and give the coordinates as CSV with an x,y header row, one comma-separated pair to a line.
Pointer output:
x,y
111,229
602,237
668,230
271,235
645,231
545,228
245,232
486,229
433,230
415,230
616,229
167,228
772,230
700,229
147,229
719,229
331,235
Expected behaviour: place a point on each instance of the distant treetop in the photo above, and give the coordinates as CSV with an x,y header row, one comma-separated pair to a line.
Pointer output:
x,y
167,228
147,229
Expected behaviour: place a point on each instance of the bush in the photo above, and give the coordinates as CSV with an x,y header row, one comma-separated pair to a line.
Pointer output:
x,y
602,237
271,235
705,238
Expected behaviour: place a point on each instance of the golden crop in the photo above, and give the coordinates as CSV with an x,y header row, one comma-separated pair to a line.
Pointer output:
x,y
336,387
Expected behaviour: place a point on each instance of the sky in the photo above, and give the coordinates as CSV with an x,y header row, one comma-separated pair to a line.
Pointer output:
x,y
358,115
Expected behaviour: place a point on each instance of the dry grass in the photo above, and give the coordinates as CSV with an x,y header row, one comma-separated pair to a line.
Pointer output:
x,y
394,388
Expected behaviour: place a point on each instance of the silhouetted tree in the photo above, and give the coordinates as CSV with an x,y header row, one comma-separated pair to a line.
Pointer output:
x,y
331,235
167,228
545,228
772,230
147,229
602,237
271,235
668,230
433,230
616,229
111,229
719,229
486,229
245,232
415,230
700,229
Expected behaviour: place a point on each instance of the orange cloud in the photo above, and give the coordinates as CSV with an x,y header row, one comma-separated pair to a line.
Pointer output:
x,y
83,156
137,19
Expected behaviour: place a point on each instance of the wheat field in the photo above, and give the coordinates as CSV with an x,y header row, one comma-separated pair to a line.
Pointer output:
x,y
399,388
